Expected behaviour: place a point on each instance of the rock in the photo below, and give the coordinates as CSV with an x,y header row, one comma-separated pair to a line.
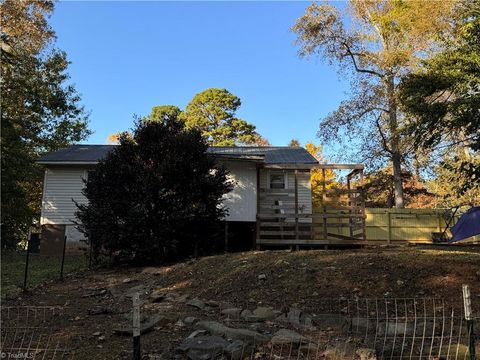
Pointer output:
x,y
331,321
101,338
248,336
136,289
366,354
196,333
236,350
77,318
152,270
203,347
180,324
308,349
96,333
398,329
262,277
264,313
296,318
99,311
190,320
400,282
126,280
285,336
157,296
197,303
245,314
213,303
233,312
342,350
145,326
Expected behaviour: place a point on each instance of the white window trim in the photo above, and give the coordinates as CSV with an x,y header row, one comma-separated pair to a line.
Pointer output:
x,y
285,178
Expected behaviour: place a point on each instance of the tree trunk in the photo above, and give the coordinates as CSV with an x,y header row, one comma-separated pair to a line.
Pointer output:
x,y
395,143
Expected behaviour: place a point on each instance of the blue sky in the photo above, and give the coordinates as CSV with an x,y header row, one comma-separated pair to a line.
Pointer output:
x,y
129,56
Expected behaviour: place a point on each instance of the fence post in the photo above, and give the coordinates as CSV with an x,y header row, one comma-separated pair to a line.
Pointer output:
x,y
63,256
389,225
467,305
26,262
136,326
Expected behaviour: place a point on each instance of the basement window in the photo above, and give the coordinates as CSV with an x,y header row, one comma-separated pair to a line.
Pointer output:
x,y
278,180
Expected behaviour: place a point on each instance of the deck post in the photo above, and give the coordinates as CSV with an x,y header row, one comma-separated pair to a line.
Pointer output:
x,y
226,236
296,205
324,199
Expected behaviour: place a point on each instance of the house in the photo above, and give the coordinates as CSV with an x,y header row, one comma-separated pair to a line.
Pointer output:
x,y
272,181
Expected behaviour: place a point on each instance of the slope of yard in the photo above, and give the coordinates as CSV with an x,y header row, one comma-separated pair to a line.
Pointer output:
x,y
279,279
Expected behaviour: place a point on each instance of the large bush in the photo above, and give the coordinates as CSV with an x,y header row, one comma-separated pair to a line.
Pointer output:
x,y
156,196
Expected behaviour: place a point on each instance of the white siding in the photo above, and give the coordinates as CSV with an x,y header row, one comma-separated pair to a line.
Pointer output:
x,y
61,187
304,187
241,202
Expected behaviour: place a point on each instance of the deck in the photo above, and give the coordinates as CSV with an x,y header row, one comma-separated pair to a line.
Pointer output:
x,y
340,220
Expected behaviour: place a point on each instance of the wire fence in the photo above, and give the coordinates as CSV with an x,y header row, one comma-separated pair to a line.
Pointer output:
x,y
389,328
34,332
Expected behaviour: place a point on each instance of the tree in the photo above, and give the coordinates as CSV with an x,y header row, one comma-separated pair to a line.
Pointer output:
x,y
212,112
316,176
443,99
164,112
451,186
379,191
156,196
294,143
381,42
41,112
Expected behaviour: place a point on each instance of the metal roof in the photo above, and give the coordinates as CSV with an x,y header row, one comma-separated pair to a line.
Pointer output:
x,y
91,154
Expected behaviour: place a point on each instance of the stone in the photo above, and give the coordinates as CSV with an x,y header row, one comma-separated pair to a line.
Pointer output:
x,y
296,318
126,280
308,349
157,296
136,289
264,313
245,314
262,277
213,303
400,282
246,335
96,333
342,350
366,354
152,271
286,336
190,320
233,312
196,333
236,350
197,303
331,321
180,324
203,347
101,338
398,329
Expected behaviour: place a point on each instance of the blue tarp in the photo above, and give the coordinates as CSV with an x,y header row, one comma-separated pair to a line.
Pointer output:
x,y
468,225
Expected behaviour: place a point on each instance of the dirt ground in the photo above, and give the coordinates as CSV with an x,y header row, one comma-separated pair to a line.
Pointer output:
x,y
95,302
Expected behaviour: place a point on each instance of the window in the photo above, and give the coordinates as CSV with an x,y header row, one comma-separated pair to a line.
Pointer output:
x,y
278,180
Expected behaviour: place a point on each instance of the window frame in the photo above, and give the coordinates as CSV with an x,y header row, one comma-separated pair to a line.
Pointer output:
x,y
278,172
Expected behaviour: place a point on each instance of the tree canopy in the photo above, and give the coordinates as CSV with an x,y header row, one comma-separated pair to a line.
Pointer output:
x,y
41,111
151,201
443,99
213,113
380,41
